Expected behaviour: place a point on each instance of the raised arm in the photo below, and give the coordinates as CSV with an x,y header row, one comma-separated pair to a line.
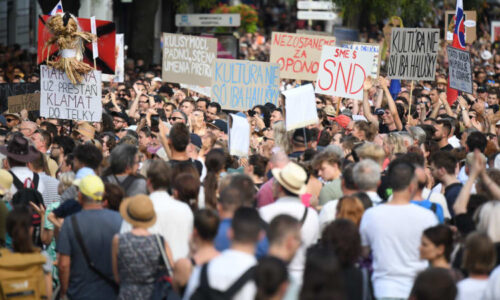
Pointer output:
x,y
392,106
366,105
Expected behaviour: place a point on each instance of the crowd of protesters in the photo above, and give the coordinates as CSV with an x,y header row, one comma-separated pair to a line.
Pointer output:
x,y
392,197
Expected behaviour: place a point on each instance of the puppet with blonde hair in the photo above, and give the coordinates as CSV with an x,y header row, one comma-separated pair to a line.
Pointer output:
x,y
66,35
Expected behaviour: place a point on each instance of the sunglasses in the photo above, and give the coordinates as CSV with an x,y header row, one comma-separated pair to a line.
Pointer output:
x,y
175,118
9,119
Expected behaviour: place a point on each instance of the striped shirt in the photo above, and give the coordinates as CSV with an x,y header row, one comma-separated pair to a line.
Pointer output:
x,y
49,194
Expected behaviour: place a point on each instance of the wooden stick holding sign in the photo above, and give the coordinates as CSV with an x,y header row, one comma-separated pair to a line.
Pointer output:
x,y
409,106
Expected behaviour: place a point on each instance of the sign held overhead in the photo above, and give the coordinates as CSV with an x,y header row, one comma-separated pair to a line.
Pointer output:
x,y
207,20
460,72
413,53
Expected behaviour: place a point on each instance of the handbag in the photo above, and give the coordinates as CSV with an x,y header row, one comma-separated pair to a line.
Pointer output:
x,y
163,288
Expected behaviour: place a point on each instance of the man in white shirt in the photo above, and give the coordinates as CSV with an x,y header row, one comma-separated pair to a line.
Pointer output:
x,y
174,219
392,232
289,184
19,152
51,184
225,270
366,174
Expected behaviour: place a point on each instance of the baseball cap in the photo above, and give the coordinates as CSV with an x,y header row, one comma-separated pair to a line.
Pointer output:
x,y
221,125
195,140
91,186
379,111
6,180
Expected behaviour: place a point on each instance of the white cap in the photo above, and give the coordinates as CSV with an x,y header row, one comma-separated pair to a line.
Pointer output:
x,y
157,79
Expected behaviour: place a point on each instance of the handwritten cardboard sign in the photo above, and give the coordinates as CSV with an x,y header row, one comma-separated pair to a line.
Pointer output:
x,y
470,25
12,89
369,48
460,72
30,102
342,72
297,54
188,59
413,53
60,99
242,84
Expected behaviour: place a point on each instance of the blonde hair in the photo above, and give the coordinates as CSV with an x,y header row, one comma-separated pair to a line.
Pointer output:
x,y
350,208
65,181
371,151
281,137
395,142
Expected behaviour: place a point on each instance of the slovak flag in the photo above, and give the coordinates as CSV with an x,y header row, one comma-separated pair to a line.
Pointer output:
x,y
458,42
57,9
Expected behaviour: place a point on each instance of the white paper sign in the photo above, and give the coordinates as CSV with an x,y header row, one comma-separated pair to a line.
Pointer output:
x,y
342,72
300,107
60,99
120,59
239,136
203,90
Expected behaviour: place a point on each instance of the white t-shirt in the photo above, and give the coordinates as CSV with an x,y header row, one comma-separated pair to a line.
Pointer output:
x,y
492,290
174,221
393,233
437,198
223,271
24,173
471,288
309,232
328,213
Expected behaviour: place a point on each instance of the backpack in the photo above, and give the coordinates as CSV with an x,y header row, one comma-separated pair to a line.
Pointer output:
x,y
21,276
125,184
205,292
27,192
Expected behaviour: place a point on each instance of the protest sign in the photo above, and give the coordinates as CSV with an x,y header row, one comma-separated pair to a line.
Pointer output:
x,y
188,59
413,53
106,34
495,31
12,89
120,58
342,72
460,72
365,47
470,25
298,55
202,90
242,84
30,102
239,136
60,99
300,107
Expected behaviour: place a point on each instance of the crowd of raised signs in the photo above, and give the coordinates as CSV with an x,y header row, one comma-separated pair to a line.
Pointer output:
x,y
394,196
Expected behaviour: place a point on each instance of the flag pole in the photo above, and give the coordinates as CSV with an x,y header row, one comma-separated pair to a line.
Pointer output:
x,y
409,106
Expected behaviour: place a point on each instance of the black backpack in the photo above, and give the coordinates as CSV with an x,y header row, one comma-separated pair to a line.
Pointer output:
x,y
26,194
205,292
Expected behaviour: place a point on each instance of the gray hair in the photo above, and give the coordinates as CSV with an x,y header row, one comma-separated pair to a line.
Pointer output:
x,y
182,113
366,174
418,134
335,149
121,158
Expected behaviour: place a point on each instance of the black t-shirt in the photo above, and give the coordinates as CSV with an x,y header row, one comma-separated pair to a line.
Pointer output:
x,y
451,193
446,148
197,164
382,128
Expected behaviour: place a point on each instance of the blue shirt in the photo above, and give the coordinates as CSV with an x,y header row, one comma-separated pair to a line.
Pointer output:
x,y
98,228
428,204
222,241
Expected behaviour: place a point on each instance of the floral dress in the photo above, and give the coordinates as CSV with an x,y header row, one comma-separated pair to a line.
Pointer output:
x,y
139,260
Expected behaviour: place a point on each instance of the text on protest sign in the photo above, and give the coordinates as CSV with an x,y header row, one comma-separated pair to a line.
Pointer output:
x,y
60,99
30,102
241,84
459,69
188,59
369,48
413,54
342,72
12,89
298,55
